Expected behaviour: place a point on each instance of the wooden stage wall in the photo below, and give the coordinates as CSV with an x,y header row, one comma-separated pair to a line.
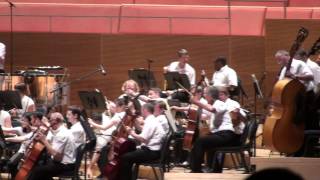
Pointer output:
x,y
82,53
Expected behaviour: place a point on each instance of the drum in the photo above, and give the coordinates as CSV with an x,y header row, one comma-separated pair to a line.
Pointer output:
x,y
40,87
7,82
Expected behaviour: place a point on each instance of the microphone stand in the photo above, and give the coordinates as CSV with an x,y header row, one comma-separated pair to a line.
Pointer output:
x,y
257,92
11,5
76,80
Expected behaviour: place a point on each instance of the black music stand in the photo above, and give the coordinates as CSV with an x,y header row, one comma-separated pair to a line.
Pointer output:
x,y
92,101
143,77
173,77
10,100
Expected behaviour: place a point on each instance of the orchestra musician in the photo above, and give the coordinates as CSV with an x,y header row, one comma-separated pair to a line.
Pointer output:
x,y
79,135
2,57
224,76
150,138
60,146
107,128
27,103
222,132
182,66
5,118
159,109
29,123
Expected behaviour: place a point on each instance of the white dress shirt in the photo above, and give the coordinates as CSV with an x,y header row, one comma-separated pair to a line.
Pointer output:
x,y
232,105
299,68
78,133
3,115
25,102
2,55
220,120
153,133
62,141
225,77
315,68
188,70
164,122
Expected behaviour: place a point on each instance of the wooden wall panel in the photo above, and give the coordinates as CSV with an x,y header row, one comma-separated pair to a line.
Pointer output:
x,y
82,53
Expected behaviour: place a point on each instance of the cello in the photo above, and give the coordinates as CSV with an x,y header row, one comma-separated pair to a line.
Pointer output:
x,y
119,147
32,154
281,133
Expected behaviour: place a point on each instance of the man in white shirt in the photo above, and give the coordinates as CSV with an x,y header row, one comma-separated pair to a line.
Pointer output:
x,y
60,145
224,76
151,140
222,132
182,66
79,135
2,56
27,103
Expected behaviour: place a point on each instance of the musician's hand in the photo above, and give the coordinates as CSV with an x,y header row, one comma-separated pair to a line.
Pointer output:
x,y
90,121
290,75
193,99
41,137
128,129
13,111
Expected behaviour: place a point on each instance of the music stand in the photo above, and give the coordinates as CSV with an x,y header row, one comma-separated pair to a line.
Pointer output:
x,y
173,77
143,77
10,100
92,101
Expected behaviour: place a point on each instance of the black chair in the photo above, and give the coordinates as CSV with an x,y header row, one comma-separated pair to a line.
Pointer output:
x,y
160,163
74,175
246,144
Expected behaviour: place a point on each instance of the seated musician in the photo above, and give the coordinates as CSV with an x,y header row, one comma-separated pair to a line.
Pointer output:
x,y
5,118
73,115
107,128
222,133
29,123
60,146
27,103
150,138
159,108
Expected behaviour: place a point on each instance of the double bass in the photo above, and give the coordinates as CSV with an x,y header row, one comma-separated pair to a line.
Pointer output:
x,y
281,132
119,147
32,154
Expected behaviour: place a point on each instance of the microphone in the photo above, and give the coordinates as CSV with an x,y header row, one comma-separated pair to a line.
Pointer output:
x,y
103,71
150,60
10,3
256,86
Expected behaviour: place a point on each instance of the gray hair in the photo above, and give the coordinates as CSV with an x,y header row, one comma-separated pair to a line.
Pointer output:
x,y
280,53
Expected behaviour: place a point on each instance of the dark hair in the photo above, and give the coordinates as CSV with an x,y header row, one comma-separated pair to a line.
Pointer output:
x,y
75,110
182,52
149,107
121,101
222,60
37,115
21,87
27,115
274,173
96,116
301,54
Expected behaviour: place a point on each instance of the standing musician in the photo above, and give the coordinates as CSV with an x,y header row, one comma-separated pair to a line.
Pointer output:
x,y
107,128
299,70
73,115
222,132
182,66
150,138
224,76
27,103
60,146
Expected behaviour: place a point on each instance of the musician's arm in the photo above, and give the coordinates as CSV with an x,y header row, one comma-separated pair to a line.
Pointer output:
x,y
100,126
54,153
17,139
135,135
304,77
7,122
207,107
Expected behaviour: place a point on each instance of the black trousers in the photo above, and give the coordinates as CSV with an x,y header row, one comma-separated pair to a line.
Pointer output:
x,y
52,169
218,139
13,164
138,156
